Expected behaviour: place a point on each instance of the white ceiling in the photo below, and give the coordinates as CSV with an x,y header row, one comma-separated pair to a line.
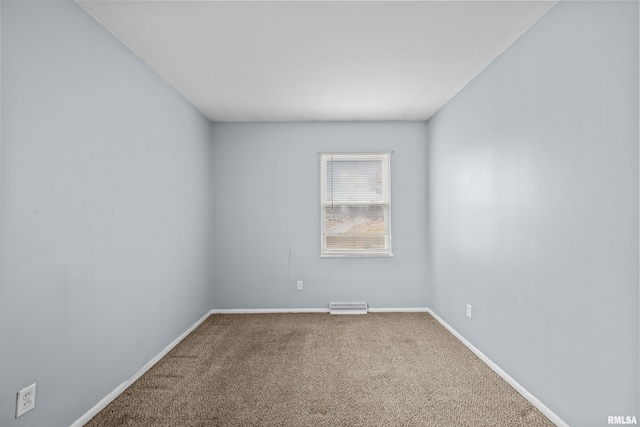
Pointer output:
x,y
323,60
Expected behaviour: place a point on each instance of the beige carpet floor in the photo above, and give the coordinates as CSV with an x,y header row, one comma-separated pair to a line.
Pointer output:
x,y
378,369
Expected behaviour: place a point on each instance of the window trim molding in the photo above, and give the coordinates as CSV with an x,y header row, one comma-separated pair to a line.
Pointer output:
x,y
323,171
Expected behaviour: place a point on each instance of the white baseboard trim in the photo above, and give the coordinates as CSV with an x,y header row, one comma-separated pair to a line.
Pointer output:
x,y
311,310
513,383
398,310
267,310
122,387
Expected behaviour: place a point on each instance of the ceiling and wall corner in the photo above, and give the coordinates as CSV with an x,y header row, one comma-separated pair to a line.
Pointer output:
x,y
317,61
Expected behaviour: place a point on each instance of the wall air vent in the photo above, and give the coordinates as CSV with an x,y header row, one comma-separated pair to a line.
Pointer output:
x,y
348,308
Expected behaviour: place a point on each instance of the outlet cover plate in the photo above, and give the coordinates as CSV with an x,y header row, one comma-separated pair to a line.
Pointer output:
x,y
299,285
469,311
26,400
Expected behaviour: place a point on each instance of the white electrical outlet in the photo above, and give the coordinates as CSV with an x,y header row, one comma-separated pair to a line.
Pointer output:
x,y
469,311
26,400
299,285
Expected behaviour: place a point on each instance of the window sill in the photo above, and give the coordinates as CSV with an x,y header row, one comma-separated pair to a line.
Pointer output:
x,y
355,255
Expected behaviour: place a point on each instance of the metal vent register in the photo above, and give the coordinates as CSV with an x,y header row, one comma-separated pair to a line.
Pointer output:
x,y
348,308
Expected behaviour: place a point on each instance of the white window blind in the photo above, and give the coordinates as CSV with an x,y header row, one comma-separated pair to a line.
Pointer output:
x,y
355,204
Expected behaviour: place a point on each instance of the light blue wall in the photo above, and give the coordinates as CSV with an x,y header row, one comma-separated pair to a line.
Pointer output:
x,y
534,211
105,212
267,216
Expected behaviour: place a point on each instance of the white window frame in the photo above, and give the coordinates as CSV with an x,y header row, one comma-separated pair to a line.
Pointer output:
x,y
387,252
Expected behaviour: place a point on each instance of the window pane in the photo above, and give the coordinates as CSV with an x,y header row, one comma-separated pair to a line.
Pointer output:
x,y
355,181
355,227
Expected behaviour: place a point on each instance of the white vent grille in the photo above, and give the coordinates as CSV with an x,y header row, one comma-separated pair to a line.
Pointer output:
x,y
348,308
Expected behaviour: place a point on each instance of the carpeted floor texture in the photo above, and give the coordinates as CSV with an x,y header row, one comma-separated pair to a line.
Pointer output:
x,y
378,369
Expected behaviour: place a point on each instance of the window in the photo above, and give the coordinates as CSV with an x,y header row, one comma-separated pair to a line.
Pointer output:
x,y
355,205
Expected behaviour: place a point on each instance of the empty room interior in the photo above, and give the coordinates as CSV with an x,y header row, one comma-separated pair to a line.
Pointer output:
x,y
220,175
